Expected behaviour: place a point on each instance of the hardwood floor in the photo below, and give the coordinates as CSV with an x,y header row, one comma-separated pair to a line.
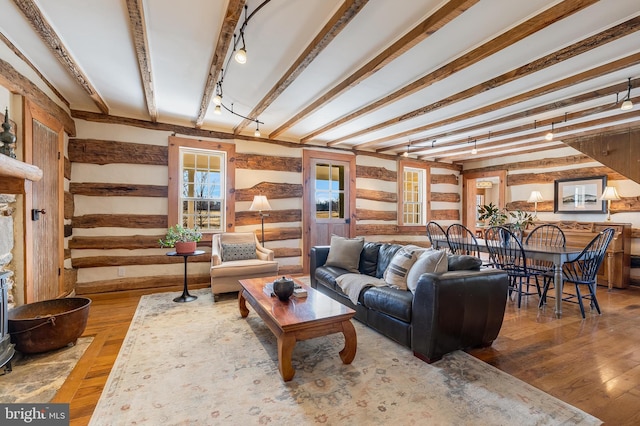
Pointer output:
x,y
593,364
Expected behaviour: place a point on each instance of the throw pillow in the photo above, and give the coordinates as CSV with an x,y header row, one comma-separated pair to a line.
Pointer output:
x,y
430,261
345,253
396,272
240,251
463,262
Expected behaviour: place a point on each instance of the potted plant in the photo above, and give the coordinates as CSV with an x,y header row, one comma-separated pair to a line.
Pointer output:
x,y
517,220
183,239
492,215
521,219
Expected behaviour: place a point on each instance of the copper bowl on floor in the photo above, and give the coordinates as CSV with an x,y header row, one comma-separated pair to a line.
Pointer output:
x,y
48,325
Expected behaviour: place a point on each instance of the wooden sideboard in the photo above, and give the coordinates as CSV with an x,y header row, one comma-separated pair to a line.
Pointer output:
x,y
616,268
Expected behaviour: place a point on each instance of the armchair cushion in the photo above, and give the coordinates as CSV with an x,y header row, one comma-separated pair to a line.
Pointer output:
x,y
240,251
251,260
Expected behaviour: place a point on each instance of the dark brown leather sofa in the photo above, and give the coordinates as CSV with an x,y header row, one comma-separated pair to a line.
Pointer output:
x,y
459,309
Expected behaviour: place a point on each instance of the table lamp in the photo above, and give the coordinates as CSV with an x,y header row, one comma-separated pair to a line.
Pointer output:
x,y
535,197
261,203
609,194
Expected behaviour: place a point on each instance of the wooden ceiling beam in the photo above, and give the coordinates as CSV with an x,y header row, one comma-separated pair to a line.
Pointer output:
x,y
15,82
26,60
141,45
573,130
424,29
504,40
336,24
571,51
33,14
234,11
555,105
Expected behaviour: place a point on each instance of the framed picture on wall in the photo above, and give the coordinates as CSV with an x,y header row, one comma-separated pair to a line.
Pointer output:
x,y
580,195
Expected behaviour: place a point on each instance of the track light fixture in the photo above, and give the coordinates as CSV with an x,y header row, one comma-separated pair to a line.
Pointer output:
x,y
627,104
549,136
240,56
217,99
474,151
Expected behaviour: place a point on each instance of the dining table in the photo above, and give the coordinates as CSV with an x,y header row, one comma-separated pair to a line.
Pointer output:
x,y
557,255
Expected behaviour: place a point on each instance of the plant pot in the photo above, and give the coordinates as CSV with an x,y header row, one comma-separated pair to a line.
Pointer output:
x,y
186,247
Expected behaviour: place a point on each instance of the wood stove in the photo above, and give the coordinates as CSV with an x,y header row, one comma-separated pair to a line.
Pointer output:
x,y
6,348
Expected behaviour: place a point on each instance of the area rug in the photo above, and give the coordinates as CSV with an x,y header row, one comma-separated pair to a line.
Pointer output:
x,y
201,363
37,377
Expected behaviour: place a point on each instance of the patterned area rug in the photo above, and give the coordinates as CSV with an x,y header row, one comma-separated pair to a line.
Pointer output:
x,y
37,377
201,363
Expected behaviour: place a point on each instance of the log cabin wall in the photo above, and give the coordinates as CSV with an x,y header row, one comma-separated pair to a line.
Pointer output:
x,y
117,201
526,173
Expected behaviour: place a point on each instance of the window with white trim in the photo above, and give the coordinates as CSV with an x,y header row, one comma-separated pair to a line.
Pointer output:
x,y
413,196
202,186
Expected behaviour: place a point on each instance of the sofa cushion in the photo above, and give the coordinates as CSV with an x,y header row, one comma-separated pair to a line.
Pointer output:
x,y
238,251
386,253
429,261
327,275
396,273
393,302
353,284
369,258
345,253
463,262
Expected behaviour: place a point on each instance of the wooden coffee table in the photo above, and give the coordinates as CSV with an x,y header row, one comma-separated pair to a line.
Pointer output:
x,y
298,319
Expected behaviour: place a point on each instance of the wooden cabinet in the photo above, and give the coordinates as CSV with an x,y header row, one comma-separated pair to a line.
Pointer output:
x,y
617,263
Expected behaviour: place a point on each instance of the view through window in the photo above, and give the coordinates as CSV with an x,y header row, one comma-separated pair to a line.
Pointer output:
x,y
413,196
329,191
202,188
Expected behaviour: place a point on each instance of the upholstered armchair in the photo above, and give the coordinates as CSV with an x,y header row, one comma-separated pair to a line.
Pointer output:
x,y
235,256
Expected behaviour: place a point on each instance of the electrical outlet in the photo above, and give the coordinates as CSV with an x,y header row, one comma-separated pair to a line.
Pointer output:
x,y
121,271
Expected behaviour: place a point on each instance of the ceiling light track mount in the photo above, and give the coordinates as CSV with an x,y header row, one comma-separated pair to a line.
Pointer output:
x,y
626,101
240,56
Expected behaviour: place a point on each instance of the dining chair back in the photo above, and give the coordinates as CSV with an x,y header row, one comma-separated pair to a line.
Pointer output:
x,y
506,252
436,233
583,271
462,241
547,235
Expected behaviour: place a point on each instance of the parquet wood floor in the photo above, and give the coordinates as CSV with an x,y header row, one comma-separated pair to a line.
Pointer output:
x,y
593,364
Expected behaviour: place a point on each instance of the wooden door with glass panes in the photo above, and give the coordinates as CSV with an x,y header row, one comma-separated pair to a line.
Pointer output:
x,y
329,198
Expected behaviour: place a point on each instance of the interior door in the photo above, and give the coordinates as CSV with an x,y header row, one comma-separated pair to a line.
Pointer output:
x,y
44,216
329,198
474,191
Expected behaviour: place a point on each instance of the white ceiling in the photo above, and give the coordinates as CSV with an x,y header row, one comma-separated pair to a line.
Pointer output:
x,y
182,39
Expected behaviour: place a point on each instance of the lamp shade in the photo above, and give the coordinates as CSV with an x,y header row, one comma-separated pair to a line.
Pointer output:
x,y
260,203
610,193
535,197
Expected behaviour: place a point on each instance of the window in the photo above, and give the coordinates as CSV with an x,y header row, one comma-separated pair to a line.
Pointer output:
x,y
201,181
329,191
412,210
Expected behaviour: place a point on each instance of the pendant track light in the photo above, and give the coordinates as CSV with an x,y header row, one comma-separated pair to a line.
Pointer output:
x,y
240,56
627,104
549,136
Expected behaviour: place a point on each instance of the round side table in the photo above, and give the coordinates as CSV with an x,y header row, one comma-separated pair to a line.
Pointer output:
x,y
185,297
